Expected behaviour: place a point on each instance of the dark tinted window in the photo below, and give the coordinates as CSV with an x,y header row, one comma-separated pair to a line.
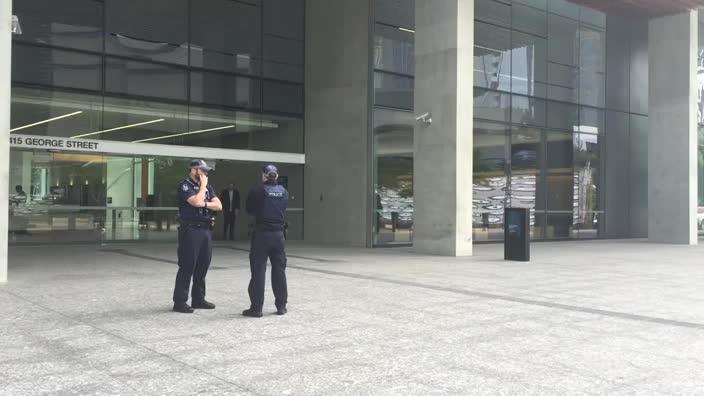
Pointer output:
x,y
66,23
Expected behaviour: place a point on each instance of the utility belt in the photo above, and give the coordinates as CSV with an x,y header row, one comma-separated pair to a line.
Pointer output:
x,y
269,228
206,224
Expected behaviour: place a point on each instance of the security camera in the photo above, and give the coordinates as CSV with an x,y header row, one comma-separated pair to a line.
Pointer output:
x,y
16,28
425,118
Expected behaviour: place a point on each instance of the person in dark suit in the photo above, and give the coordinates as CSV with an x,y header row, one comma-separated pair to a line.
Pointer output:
x,y
230,198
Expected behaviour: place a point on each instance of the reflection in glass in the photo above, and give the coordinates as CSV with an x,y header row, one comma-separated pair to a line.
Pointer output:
x,y
68,23
151,30
494,106
529,67
393,192
528,111
490,188
145,79
493,12
47,66
226,35
563,40
393,91
587,178
492,57
393,50
526,169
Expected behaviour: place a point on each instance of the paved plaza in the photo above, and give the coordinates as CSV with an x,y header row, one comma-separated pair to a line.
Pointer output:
x,y
581,318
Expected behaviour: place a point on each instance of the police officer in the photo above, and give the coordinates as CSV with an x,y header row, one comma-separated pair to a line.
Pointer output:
x,y
197,201
267,203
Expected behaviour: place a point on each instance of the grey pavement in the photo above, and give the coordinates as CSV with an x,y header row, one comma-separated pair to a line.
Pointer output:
x,y
581,318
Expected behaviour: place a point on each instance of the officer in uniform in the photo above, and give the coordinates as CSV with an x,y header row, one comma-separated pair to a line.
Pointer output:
x,y
267,204
197,202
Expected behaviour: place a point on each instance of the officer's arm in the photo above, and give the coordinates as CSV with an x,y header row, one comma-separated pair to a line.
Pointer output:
x,y
253,201
198,199
215,204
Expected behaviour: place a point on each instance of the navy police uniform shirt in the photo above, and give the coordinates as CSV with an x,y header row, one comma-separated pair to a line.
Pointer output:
x,y
267,203
188,212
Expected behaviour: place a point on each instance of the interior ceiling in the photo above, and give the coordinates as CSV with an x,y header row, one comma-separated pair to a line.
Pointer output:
x,y
648,8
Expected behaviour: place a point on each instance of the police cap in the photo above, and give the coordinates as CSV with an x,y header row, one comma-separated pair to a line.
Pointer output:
x,y
200,164
271,171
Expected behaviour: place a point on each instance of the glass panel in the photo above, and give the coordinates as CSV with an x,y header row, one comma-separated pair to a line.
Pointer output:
x,y
69,23
564,8
590,225
491,105
529,66
225,90
79,112
282,97
393,50
393,91
493,12
526,169
52,67
587,166
490,181
217,128
559,226
559,152
539,4
560,179
393,156
154,30
529,19
276,133
591,121
226,35
492,57
145,79
528,111
563,83
592,59
562,116
284,18
283,58
135,120
399,13
563,40
592,17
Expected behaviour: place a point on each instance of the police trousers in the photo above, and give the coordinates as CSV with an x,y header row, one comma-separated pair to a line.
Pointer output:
x,y
195,248
267,245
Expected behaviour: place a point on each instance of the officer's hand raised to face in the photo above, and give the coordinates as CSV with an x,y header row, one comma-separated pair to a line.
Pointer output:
x,y
203,178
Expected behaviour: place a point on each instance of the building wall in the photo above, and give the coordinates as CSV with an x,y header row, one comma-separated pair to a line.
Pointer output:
x,y
626,149
337,120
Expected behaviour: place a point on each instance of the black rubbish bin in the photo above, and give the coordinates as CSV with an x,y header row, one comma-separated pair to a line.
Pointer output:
x,y
516,234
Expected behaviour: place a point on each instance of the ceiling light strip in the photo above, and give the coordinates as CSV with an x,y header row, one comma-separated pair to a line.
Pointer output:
x,y
184,134
46,121
118,128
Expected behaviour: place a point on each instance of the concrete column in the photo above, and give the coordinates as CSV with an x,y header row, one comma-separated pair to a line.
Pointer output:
x,y
5,66
337,111
443,149
672,152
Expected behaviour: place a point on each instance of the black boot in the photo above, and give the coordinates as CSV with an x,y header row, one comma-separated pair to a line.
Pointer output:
x,y
252,313
203,305
183,308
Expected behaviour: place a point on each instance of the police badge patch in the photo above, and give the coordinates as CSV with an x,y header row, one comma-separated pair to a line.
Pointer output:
x,y
184,187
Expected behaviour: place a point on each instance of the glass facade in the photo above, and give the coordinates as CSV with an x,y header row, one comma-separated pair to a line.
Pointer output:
x,y
216,74
542,101
77,197
392,143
